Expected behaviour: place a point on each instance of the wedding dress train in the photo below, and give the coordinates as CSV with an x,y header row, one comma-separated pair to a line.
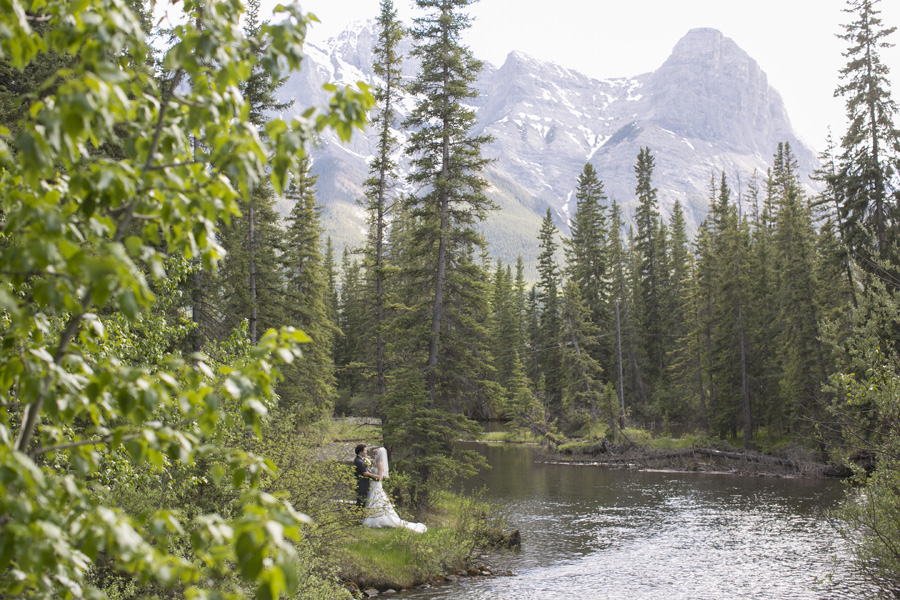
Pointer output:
x,y
381,511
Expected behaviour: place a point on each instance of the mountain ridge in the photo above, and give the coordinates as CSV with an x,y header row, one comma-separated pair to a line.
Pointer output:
x,y
707,108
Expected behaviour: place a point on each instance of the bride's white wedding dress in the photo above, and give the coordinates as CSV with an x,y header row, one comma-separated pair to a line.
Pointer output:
x,y
381,510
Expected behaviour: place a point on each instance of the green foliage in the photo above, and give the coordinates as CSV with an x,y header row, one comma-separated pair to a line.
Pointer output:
x,y
92,386
866,408
458,528
421,440
870,156
438,295
545,339
520,436
309,389
317,488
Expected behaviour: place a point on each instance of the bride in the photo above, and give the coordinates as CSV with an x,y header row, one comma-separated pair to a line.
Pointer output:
x,y
379,508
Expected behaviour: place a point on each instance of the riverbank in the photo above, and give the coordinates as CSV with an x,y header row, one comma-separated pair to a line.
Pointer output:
x,y
639,449
385,561
461,529
707,460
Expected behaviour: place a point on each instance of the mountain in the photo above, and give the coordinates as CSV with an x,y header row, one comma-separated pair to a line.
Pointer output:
x,y
708,108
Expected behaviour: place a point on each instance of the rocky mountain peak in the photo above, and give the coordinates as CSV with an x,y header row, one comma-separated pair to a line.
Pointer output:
x,y
707,109
711,89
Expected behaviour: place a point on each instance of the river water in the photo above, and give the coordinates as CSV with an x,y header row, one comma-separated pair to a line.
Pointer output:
x,y
589,532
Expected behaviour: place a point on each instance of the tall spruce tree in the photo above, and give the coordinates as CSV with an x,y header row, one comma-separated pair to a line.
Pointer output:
x,y
446,163
763,308
677,302
382,178
444,243
351,359
584,248
308,389
520,290
802,360
648,277
585,396
250,275
730,406
828,207
871,145
622,303
549,325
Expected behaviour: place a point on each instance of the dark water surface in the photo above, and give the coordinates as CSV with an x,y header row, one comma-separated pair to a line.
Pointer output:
x,y
589,532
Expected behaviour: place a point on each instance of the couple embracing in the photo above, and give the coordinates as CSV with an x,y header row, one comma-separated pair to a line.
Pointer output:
x,y
370,493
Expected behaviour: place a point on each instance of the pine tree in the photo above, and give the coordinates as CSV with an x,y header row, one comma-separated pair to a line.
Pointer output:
x,y
332,300
532,339
679,302
585,397
730,406
586,262
802,360
519,307
648,279
547,342
871,146
249,285
828,207
250,275
679,261
687,363
382,178
446,162
508,308
706,281
443,293
350,357
308,390
505,326
763,307
622,303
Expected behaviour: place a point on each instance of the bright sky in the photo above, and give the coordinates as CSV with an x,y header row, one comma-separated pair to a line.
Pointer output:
x,y
794,41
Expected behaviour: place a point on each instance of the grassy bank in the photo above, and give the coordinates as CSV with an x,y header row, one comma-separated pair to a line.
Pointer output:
x,y
458,529
517,436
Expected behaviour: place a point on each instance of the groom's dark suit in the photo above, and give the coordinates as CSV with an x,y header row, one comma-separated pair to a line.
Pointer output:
x,y
362,482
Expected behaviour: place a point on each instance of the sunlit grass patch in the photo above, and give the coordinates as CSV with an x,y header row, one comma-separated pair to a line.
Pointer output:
x,y
400,558
519,436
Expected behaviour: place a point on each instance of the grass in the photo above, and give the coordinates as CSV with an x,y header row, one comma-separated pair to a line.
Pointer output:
x,y
389,558
593,444
342,430
520,436
400,558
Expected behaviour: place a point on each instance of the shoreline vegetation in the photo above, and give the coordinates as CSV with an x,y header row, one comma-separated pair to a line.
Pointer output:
x,y
463,532
686,453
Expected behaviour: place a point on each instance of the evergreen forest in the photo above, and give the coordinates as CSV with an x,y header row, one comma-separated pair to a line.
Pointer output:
x,y
172,348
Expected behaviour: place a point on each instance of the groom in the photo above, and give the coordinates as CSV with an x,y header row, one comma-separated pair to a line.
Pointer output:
x,y
363,475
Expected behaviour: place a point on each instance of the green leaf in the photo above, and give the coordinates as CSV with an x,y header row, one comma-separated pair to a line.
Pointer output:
x,y
217,472
133,245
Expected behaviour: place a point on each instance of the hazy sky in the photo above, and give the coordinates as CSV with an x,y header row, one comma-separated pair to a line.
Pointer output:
x,y
793,41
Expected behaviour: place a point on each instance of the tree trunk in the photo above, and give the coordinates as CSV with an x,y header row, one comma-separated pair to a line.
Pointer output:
x,y
745,383
253,315
444,233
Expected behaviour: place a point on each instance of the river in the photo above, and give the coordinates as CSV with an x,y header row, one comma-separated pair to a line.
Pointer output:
x,y
589,532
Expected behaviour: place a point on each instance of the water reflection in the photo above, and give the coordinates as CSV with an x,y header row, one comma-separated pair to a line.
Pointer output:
x,y
595,533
